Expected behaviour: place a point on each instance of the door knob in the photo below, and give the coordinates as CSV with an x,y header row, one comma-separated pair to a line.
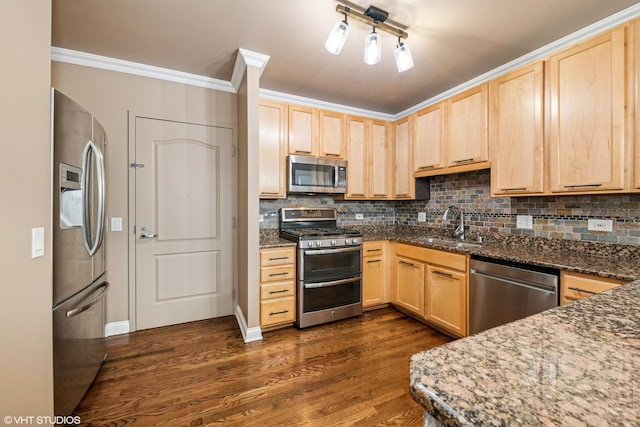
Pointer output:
x,y
148,236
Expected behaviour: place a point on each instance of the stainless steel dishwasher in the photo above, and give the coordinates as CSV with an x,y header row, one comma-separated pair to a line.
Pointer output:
x,y
501,292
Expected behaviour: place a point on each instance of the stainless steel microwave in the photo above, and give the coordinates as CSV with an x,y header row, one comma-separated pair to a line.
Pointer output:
x,y
306,174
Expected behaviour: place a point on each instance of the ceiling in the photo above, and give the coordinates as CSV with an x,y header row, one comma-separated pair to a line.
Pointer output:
x,y
452,41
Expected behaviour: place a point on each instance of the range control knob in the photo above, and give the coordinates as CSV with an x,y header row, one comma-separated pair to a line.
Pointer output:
x,y
333,243
310,244
347,241
318,243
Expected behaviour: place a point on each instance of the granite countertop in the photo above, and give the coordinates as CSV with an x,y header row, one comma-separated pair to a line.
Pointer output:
x,y
274,241
577,364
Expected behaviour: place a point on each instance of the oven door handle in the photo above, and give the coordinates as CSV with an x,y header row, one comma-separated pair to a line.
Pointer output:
x,y
332,251
334,283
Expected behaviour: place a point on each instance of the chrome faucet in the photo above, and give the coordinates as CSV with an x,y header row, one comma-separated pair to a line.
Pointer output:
x,y
456,210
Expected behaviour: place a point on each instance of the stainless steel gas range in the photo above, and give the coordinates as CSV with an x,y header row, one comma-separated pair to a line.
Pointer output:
x,y
329,275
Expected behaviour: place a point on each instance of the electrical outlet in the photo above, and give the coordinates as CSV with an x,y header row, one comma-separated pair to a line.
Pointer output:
x,y
359,216
422,217
600,225
116,224
524,221
37,242
261,218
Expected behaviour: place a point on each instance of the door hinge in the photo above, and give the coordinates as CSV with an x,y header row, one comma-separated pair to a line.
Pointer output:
x,y
233,294
136,165
233,151
134,229
233,222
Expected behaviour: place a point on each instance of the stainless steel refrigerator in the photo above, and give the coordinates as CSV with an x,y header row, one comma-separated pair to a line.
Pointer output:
x,y
79,277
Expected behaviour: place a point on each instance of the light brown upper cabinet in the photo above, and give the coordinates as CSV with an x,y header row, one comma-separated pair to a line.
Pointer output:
x,y
272,149
636,77
404,183
588,94
452,136
368,157
516,131
467,128
314,132
429,138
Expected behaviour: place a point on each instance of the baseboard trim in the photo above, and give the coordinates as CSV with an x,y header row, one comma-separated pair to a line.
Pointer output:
x,y
248,334
116,328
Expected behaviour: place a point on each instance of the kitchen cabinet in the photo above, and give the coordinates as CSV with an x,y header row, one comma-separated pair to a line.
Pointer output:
x,y
375,282
575,286
636,77
516,131
403,182
588,98
314,132
440,278
368,158
452,136
446,299
409,285
277,286
467,128
429,138
272,149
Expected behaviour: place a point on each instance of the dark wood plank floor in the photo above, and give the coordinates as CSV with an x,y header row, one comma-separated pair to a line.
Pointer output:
x,y
351,372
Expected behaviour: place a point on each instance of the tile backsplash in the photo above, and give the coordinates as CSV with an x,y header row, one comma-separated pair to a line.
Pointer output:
x,y
561,217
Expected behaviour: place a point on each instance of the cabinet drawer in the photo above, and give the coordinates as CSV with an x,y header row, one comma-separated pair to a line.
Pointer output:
x,y
281,310
433,256
575,286
373,249
277,290
277,274
269,257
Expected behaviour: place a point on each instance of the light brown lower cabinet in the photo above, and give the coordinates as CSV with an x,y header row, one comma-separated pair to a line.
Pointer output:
x,y
432,285
277,286
575,286
375,274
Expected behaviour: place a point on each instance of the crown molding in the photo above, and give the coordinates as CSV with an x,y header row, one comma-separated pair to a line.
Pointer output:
x,y
112,64
244,59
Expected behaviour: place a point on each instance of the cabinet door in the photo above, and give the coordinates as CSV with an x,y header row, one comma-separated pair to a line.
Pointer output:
x,y
357,158
429,138
379,164
403,160
410,285
303,130
374,274
516,132
575,286
272,149
331,134
587,97
446,302
467,140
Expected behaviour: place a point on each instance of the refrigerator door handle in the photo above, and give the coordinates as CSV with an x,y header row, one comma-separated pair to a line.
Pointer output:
x,y
92,245
93,301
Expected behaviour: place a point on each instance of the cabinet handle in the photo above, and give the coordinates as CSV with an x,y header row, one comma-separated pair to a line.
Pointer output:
x,y
583,290
273,313
407,263
440,273
583,186
332,155
426,167
357,194
278,274
374,250
514,189
278,258
279,292
269,192
375,260
462,161
379,195
402,195
302,152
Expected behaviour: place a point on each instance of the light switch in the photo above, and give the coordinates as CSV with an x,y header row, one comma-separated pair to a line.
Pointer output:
x,y
116,224
37,242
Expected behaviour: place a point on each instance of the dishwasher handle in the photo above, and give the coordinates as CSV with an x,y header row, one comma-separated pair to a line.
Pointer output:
x,y
535,286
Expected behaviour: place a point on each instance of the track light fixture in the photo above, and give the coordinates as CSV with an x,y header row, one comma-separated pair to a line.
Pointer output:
x,y
373,42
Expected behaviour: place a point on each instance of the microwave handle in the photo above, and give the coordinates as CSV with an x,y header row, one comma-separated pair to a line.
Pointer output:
x,y
336,176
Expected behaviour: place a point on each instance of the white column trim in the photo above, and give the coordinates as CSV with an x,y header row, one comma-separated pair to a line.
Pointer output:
x,y
116,328
248,334
243,59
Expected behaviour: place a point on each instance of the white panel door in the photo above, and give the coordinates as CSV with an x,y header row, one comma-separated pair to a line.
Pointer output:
x,y
183,218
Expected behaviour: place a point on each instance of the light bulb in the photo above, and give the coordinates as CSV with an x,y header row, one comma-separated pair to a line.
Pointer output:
x,y
404,61
372,48
337,37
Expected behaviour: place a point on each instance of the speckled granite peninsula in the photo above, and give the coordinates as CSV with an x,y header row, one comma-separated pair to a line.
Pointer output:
x,y
574,365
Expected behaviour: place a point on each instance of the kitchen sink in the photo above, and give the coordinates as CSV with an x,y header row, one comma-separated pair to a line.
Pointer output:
x,y
443,241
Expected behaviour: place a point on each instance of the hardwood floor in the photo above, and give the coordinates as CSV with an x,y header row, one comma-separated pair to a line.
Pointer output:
x,y
351,372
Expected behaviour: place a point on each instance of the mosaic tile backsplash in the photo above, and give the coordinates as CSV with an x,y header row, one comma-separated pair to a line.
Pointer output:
x,y
561,217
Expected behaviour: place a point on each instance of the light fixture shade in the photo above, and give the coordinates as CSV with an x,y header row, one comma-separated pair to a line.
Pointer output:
x,y
337,37
372,48
404,60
